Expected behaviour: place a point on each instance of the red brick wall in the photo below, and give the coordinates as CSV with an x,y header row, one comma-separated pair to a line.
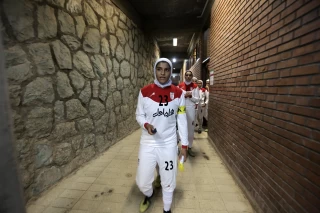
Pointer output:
x,y
196,69
264,110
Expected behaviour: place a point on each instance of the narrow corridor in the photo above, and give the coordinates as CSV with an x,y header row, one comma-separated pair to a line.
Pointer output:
x,y
107,184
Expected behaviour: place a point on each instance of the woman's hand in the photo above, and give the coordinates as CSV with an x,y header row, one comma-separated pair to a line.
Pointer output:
x,y
149,127
188,94
184,153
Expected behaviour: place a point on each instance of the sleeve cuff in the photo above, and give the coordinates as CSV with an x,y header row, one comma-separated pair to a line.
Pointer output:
x,y
184,147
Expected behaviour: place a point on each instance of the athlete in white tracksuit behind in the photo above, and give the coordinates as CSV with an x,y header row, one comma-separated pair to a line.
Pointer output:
x,y
161,106
191,92
202,106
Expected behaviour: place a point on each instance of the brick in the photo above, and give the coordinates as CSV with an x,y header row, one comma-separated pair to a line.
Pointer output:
x,y
285,99
304,80
282,107
292,8
287,37
307,28
313,123
305,70
303,50
307,8
289,45
309,16
299,119
282,115
289,18
302,101
298,129
288,63
285,82
315,102
315,79
309,91
274,74
301,110
269,90
311,144
311,37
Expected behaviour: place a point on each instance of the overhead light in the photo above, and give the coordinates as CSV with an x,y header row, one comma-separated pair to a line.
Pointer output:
x,y
175,42
174,68
174,60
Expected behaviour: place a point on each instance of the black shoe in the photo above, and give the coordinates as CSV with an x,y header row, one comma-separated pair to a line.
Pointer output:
x,y
166,211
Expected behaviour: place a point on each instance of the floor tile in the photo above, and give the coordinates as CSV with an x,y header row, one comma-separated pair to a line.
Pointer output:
x,y
107,185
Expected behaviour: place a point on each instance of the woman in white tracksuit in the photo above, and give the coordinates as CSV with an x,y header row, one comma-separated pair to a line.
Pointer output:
x,y
191,92
202,106
160,106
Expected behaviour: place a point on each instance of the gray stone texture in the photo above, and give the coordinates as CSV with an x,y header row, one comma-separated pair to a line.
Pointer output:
x,y
72,42
20,19
125,69
95,88
39,122
90,16
113,43
82,63
110,25
77,80
63,131
59,3
91,43
40,89
85,94
120,36
58,111
103,89
63,85
47,23
42,58
72,68
105,47
85,125
63,153
97,7
103,27
66,23
120,53
75,109
74,6
62,55
80,26
96,109
17,64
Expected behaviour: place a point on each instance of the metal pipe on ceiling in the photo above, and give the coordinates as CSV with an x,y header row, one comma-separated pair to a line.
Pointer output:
x,y
204,8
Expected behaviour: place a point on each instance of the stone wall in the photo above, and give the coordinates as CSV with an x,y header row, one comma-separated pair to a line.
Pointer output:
x,y
74,68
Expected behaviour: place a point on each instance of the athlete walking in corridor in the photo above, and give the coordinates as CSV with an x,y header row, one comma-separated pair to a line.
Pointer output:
x,y
160,106
191,93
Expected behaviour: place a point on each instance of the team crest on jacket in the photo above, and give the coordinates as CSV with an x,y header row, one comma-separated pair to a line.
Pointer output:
x,y
172,95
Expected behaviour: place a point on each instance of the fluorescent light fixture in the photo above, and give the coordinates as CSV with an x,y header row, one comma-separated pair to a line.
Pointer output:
x,y
174,60
174,68
175,42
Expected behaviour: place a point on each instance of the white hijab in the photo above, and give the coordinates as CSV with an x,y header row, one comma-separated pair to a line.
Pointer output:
x,y
169,82
188,82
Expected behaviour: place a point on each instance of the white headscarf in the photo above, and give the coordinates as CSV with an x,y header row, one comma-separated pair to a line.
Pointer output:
x,y
188,82
169,82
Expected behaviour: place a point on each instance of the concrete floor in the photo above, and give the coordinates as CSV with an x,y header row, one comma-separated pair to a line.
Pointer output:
x,y
107,184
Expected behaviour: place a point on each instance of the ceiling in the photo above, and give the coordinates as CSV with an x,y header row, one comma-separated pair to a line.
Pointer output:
x,y
168,19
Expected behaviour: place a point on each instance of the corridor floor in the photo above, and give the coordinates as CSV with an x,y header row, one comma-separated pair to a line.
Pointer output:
x,y
107,184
